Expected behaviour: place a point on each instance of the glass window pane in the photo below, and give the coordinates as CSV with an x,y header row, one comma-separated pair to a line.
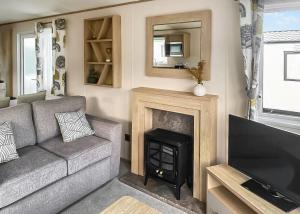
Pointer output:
x,y
159,55
29,66
281,36
45,44
292,66
28,62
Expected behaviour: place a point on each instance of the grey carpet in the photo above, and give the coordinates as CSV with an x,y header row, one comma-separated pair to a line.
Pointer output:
x,y
112,191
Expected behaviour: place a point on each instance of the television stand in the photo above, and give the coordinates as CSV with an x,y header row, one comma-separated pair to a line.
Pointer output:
x,y
273,197
225,194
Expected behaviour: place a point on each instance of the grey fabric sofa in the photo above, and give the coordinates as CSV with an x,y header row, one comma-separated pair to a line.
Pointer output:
x,y
51,175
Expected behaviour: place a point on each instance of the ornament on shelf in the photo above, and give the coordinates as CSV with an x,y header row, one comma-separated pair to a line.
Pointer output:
x,y
94,33
108,55
199,89
93,76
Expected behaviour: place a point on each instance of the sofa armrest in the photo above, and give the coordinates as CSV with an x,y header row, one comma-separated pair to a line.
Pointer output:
x,y
111,131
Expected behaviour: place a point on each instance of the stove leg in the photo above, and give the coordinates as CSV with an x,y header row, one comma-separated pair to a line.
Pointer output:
x,y
189,182
177,192
146,178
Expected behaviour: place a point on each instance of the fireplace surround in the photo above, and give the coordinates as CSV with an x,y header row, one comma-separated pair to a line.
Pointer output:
x,y
204,113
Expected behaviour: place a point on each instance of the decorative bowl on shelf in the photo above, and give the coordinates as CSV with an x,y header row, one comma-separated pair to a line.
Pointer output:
x,y
93,77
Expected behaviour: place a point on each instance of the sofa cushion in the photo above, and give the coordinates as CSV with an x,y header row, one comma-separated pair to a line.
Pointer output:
x,y
44,118
20,117
81,152
73,125
8,150
36,168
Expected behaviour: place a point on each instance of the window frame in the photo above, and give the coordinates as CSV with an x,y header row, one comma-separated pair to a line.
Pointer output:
x,y
287,122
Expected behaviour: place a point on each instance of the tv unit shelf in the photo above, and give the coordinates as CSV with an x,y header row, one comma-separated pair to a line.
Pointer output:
x,y
225,193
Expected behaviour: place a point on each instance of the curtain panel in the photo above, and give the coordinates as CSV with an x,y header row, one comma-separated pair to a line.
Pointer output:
x,y
39,28
251,24
6,83
58,56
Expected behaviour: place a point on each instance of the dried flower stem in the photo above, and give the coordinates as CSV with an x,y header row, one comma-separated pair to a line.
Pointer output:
x,y
197,72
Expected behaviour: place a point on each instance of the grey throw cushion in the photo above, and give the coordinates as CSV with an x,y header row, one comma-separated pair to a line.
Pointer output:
x,y
73,125
7,143
30,98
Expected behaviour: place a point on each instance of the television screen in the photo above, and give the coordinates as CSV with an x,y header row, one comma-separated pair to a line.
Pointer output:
x,y
268,155
175,49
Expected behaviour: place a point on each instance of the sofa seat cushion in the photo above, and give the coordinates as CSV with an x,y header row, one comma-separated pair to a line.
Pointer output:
x,y
79,153
35,169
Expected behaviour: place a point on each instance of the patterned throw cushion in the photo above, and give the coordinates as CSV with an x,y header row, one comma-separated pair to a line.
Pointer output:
x,y
8,150
73,125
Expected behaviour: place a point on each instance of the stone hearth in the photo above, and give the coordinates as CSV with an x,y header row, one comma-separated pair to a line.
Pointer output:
x,y
163,192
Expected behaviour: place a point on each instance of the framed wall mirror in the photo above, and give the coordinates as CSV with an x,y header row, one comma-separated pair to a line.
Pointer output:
x,y
178,41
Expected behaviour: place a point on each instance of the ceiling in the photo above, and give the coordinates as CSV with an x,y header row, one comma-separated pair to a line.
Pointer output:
x,y
16,10
280,1
19,10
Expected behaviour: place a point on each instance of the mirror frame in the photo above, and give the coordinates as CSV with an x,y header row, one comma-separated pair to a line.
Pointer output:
x,y
205,40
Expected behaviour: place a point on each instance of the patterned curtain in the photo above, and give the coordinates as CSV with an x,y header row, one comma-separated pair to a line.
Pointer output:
x,y
39,28
6,83
58,51
251,21
58,56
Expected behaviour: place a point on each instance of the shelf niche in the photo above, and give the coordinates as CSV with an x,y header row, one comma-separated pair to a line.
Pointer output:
x,y
102,41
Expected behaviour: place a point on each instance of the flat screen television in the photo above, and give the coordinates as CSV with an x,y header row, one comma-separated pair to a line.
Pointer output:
x,y
268,155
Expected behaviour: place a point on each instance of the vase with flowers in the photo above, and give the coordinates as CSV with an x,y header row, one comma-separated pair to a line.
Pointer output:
x,y
199,89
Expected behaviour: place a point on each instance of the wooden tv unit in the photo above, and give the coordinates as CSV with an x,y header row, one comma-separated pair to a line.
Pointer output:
x,y
226,195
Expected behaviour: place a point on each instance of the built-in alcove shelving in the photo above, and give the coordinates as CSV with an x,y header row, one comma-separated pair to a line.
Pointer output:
x,y
102,51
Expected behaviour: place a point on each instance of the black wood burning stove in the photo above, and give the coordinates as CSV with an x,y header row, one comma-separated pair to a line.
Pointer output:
x,y
169,157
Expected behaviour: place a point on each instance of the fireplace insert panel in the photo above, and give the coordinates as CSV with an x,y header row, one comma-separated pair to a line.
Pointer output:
x,y
169,157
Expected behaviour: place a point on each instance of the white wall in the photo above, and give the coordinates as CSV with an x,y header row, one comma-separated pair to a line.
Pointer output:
x,y
275,87
227,78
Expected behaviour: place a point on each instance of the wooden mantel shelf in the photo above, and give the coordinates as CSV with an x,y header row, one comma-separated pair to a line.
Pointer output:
x,y
179,94
202,109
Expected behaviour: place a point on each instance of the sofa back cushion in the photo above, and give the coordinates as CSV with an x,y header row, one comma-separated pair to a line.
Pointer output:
x,y
30,98
44,115
4,102
20,117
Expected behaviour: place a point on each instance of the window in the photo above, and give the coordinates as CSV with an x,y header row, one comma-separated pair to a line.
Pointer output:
x,y
46,55
159,51
27,71
28,64
281,64
291,65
